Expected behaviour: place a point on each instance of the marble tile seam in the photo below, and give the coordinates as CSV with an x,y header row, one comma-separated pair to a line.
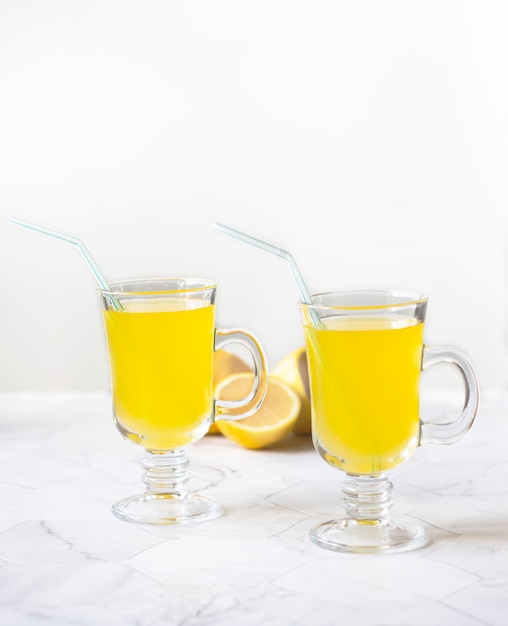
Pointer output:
x,y
17,522
142,551
464,614
156,584
473,583
480,579
279,534
459,612
284,489
414,513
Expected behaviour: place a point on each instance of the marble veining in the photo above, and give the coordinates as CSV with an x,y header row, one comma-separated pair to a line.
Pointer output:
x,y
65,560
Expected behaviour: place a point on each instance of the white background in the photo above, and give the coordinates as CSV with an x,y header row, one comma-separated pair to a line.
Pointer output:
x,y
370,138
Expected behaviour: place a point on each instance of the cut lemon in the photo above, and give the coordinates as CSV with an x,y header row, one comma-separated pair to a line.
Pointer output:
x,y
224,364
271,423
293,371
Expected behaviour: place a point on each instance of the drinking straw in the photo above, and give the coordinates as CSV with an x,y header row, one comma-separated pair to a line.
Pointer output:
x,y
75,241
283,254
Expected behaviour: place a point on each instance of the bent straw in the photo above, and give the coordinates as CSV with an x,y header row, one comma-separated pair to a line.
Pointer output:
x,y
99,276
283,254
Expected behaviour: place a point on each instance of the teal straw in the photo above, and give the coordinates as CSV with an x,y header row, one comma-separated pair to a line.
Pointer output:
x,y
75,241
283,254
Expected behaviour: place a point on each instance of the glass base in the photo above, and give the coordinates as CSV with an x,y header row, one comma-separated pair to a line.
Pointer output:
x,y
167,509
368,536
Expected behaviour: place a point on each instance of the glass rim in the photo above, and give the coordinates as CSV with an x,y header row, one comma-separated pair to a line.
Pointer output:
x,y
401,298
200,284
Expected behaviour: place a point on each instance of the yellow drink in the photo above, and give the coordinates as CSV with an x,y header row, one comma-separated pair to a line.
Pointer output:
x,y
364,375
161,353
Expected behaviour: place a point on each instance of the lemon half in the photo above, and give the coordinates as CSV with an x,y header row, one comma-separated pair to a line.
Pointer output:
x,y
271,423
224,364
294,372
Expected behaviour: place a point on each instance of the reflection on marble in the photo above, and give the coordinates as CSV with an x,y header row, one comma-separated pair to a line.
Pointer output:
x,y
65,560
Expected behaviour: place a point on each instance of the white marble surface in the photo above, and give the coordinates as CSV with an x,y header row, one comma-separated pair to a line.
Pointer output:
x,y
65,560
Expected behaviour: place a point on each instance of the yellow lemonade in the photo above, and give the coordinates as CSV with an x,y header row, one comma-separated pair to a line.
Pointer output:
x,y
161,354
364,375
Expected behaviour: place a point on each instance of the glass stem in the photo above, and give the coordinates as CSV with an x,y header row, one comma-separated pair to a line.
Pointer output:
x,y
367,498
166,473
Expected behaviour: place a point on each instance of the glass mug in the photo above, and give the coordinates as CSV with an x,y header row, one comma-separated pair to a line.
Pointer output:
x,y
161,337
365,353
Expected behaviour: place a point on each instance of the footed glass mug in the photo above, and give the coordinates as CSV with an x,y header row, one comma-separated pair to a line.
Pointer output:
x,y
365,353
161,337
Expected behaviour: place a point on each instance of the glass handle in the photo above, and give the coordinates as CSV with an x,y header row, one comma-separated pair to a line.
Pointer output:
x,y
450,432
238,409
